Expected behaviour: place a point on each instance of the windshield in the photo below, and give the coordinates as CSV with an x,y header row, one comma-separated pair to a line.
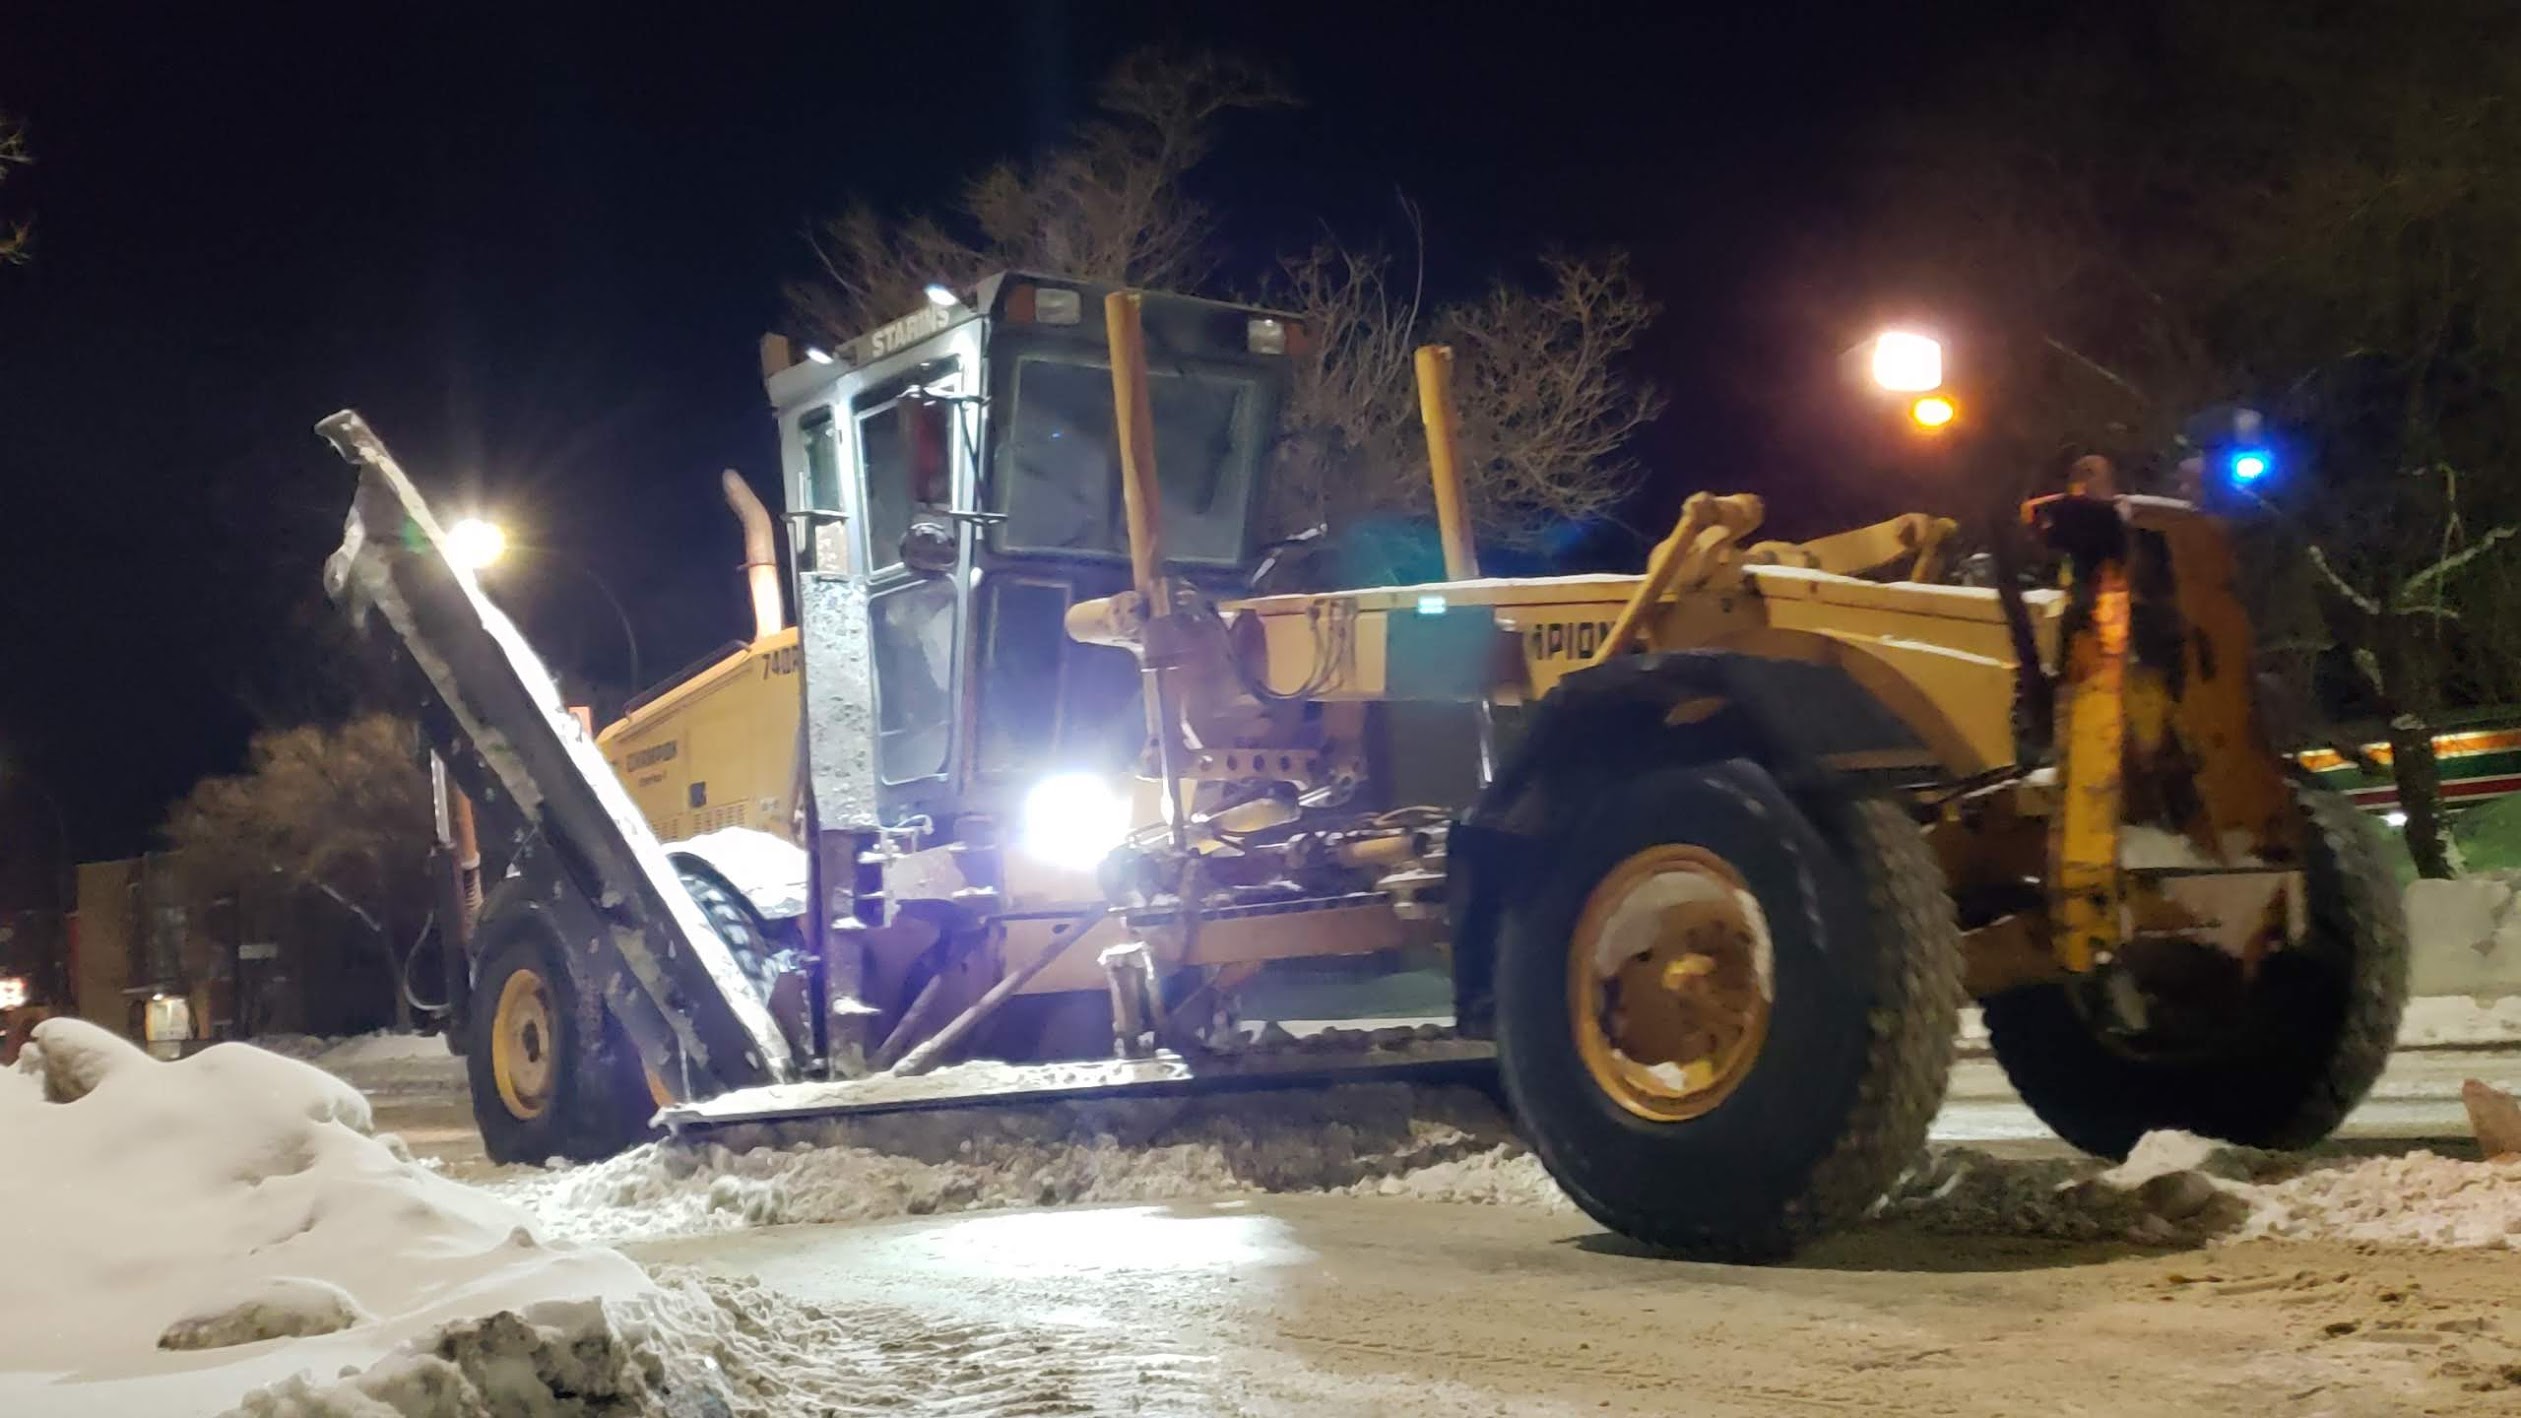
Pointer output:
x,y
1059,477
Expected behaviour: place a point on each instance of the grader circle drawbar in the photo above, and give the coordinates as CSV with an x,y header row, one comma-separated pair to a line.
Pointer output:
x,y
1051,777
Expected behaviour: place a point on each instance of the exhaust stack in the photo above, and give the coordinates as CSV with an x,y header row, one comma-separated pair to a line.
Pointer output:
x,y
761,555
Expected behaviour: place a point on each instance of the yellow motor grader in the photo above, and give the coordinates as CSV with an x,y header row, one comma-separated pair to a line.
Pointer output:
x,y
1728,844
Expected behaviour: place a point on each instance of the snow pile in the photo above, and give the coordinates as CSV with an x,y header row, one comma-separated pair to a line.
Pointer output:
x,y
706,1347
179,1218
2419,1200
1384,1139
2465,935
2170,1191
293,1046
2176,1189
368,1050
769,870
2460,1022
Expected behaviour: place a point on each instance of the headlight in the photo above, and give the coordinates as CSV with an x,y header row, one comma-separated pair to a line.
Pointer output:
x,y
1074,820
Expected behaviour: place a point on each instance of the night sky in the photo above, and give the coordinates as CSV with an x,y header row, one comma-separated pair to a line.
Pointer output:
x,y
536,245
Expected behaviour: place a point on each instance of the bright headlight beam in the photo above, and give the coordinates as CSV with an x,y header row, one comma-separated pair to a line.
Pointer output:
x,y
1073,821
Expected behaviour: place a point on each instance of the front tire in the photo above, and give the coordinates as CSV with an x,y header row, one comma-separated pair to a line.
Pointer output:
x,y
2304,1046
1710,1123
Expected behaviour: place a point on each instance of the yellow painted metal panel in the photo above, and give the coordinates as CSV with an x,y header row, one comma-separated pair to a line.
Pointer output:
x,y
719,749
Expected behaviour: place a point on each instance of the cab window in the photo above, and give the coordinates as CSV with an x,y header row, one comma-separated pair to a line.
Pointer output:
x,y
906,455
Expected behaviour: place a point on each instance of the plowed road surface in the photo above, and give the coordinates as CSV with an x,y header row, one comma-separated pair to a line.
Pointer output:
x,y
1382,1306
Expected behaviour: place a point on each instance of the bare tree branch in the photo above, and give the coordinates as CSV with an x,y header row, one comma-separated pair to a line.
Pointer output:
x,y
1106,204
2360,601
17,239
1546,412
344,811
2455,563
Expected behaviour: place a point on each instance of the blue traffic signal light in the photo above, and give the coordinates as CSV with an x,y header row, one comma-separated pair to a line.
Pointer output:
x,y
2248,465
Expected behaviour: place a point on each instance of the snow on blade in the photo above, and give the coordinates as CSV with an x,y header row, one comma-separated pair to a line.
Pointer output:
x,y
232,1208
1363,1139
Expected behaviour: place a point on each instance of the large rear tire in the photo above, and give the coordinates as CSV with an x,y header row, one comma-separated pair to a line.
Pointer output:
x,y
2301,1049
550,1074
1671,1105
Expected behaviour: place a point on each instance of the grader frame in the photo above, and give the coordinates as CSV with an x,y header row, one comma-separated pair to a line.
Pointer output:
x,y
1763,805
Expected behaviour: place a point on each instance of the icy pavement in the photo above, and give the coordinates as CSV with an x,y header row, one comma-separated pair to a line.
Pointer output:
x,y
1346,1305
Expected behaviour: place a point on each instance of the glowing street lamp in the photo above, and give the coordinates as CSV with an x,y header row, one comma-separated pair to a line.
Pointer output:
x,y
1905,362
475,543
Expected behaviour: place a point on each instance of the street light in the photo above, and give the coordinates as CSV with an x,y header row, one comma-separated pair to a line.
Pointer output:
x,y
474,543
1905,362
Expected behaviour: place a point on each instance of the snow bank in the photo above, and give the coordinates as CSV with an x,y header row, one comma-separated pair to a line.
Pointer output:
x,y
181,1229
768,869
2460,1022
394,1064
383,1048
2175,1189
1384,1139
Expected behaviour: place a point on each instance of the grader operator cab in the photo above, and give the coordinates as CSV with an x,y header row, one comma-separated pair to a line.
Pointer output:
x,y
1065,788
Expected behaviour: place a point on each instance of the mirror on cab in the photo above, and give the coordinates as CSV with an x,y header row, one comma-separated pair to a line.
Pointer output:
x,y
928,546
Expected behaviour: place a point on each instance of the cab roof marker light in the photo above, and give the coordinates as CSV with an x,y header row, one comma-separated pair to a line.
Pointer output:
x,y
1053,306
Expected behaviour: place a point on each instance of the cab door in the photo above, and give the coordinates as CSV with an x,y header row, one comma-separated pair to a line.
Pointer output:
x,y
914,450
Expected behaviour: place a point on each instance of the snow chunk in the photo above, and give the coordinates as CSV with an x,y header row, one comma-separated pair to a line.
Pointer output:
x,y
227,1199
2143,848
703,1346
281,1307
74,1057
2464,935
769,870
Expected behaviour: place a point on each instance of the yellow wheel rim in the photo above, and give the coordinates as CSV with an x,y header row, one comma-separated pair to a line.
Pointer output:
x,y
524,1045
1669,982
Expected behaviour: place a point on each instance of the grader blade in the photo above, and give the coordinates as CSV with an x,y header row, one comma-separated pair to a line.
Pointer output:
x,y
543,795
1458,1061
